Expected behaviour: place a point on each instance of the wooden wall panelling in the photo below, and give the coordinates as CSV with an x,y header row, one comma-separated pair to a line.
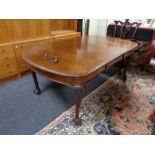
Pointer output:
x,y
5,33
59,24
73,24
63,24
12,30
29,28
40,27
8,65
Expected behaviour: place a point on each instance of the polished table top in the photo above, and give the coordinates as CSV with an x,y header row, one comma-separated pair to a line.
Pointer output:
x,y
77,57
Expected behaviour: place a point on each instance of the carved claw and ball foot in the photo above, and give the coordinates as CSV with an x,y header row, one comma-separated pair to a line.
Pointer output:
x,y
77,121
79,92
119,74
124,78
123,73
142,68
37,91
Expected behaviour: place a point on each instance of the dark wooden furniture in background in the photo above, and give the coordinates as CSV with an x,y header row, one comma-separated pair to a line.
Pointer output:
x,y
79,60
80,26
143,36
18,34
125,29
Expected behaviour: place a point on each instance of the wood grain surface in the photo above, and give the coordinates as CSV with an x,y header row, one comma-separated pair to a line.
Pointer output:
x,y
79,59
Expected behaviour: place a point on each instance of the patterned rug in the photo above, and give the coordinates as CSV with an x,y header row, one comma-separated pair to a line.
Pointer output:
x,y
114,108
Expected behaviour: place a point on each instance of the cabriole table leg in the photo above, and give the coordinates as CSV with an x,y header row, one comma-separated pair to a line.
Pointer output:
x,y
126,63
37,90
79,90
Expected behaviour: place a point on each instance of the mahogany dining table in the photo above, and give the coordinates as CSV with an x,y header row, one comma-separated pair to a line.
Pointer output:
x,y
76,61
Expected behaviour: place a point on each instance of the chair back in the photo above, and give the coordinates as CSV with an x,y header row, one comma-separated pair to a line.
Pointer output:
x,y
124,29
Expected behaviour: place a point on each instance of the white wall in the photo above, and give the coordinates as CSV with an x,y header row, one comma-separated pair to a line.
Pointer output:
x,y
102,27
98,27
93,26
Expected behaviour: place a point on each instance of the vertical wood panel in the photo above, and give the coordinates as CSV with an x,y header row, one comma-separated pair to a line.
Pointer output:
x,y
5,33
12,30
73,24
21,29
63,24
59,24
